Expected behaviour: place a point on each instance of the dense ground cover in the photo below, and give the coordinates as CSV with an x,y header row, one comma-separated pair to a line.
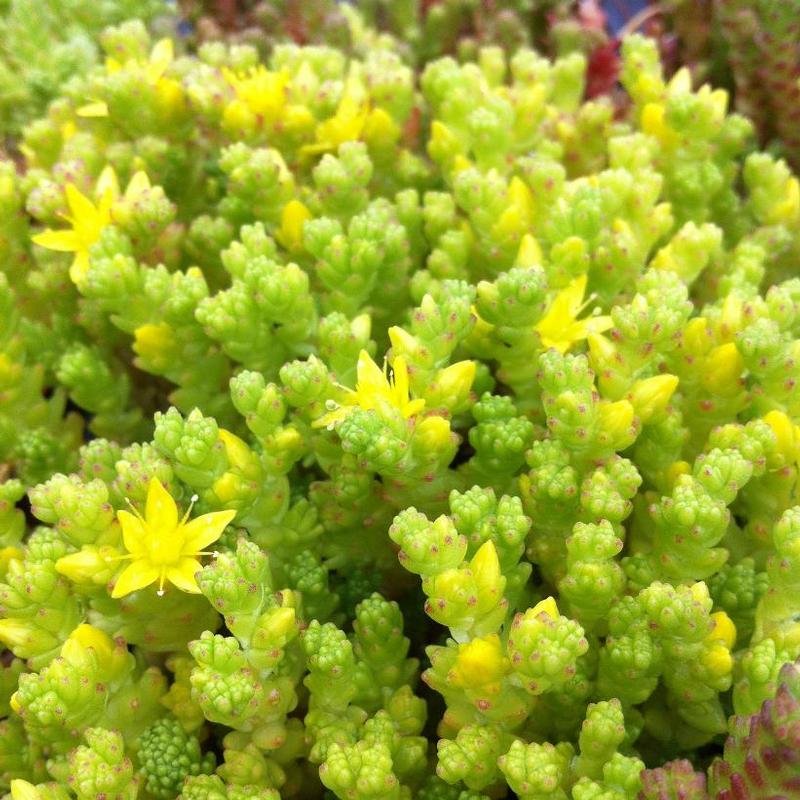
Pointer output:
x,y
396,432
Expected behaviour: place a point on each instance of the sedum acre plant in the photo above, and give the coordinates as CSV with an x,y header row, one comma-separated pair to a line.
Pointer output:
x,y
47,42
396,435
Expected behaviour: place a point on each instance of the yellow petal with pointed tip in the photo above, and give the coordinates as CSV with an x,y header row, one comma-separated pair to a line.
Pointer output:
x,y
81,207
530,253
650,396
63,241
433,433
380,130
202,531
160,58
161,512
137,184
596,324
183,575
676,470
616,422
700,594
547,606
22,790
485,566
452,384
135,576
724,629
400,370
293,217
370,375
402,341
97,109
723,370
681,82
79,267
559,328
240,456
785,434
89,565
133,532
107,183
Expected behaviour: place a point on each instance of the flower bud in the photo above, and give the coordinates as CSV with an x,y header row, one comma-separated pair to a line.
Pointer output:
x,y
651,396
723,371
90,565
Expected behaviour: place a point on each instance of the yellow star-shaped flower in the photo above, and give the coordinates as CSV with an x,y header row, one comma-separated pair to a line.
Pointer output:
x,y
346,125
163,548
262,91
152,71
87,219
375,390
560,327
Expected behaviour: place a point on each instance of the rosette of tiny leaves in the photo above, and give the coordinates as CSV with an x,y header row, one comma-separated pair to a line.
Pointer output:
x,y
101,766
537,771
167,756
543,647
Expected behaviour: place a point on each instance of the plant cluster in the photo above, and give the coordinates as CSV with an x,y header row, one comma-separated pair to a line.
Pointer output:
x,y
46,43
419,29
373,433
749,47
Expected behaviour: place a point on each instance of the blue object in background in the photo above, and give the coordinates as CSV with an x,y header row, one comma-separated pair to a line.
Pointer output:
x,y
620,11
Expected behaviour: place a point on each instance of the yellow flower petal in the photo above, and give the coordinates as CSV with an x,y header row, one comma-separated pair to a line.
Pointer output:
x,y
370,375
400,370
133,532
80,206
161,513
80,266
559,328
293,217
547,606
96,109
413,407
107,183
160,58
182,575
572,296
137,184
63,241
202,531
315,149
135,576
22,790
596,325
